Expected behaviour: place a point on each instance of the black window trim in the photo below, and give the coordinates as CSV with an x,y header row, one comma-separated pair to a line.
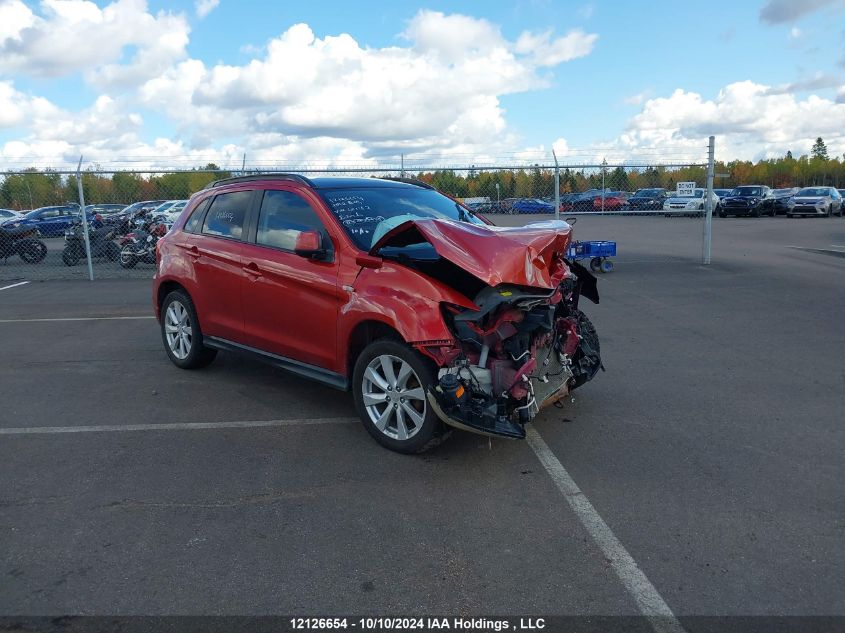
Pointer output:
x,y
205,201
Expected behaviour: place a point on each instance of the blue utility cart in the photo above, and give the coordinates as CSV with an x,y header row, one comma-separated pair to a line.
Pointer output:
x,y
597,251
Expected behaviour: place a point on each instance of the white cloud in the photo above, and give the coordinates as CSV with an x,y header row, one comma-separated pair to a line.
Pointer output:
x,y
77,35
17,108
546,51
204,7
748,119
794,33
440,91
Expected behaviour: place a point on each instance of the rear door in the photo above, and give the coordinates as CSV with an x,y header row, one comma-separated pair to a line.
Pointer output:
x,y
291,303
213,260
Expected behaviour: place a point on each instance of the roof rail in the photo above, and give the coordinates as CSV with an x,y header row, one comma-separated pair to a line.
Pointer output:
x,y
408,181
253,177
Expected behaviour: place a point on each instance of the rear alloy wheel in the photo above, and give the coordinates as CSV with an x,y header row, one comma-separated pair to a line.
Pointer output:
x,y
390,382
181,333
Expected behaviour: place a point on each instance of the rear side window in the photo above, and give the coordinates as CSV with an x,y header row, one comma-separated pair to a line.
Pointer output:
x,y
283,216
226,214
195,221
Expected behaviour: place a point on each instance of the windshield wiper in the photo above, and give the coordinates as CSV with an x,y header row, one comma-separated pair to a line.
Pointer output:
x,y
462,213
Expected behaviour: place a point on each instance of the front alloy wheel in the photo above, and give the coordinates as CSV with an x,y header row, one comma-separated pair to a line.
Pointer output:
x,y
389,384
393,397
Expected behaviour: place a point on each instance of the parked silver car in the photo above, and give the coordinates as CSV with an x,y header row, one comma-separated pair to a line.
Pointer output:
x,y
815,201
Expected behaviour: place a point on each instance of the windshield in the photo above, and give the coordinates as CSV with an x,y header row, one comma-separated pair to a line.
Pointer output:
x,y
813,192
647,193
361,210
747,191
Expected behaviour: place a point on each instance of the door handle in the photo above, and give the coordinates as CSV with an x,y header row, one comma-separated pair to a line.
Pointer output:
x,y
251,269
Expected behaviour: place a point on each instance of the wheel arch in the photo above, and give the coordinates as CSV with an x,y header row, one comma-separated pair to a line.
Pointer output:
x,y
364,333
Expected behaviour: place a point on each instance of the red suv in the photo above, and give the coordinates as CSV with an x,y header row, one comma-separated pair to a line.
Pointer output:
x,y
433,317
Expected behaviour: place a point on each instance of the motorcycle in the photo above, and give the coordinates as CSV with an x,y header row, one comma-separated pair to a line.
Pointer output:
x,y
140,244
22,241
100,240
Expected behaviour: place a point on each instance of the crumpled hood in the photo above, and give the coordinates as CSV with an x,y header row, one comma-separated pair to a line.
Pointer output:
x,y
524,256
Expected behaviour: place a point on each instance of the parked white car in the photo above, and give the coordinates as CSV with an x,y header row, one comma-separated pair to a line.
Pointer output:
x,y
689,205
168,212
8,214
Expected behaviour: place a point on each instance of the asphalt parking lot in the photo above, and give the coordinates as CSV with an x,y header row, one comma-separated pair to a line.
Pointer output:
x,y
712,448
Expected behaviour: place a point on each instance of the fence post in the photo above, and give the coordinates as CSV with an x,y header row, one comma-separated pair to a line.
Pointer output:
x,y
84,219
708,204
557,186
603,172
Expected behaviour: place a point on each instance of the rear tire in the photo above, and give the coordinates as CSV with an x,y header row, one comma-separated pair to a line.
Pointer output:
x,y
69,257
181,333
34,252
384,371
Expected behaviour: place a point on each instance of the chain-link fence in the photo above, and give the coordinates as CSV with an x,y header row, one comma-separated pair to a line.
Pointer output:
x,y
45,235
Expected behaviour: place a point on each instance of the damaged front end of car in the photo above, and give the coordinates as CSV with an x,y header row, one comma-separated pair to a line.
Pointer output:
x,y
527,345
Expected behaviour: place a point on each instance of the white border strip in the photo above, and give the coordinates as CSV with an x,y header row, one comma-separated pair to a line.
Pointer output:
x,y
179,426
649,602
112,318
20,283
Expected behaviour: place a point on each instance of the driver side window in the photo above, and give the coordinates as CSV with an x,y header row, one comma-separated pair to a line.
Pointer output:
x,y
283,216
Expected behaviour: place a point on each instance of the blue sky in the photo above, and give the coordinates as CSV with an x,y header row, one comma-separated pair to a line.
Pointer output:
x,y
784,58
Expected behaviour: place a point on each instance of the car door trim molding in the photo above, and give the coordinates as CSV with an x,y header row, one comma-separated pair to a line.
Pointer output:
x,y
330,378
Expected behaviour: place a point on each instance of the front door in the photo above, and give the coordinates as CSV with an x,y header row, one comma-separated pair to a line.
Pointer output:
x,y
291,303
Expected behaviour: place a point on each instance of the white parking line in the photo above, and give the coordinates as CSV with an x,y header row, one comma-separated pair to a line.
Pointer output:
x,y
649,602
112,318
20,283
178,426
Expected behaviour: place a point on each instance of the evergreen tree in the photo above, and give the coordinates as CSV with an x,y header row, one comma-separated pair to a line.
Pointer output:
x,y
819,150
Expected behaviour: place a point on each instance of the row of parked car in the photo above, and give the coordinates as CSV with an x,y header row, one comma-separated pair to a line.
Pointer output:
x,y
54,221
747,200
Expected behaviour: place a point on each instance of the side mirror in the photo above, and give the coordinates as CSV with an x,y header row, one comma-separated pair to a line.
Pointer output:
x,y
571,220
309,244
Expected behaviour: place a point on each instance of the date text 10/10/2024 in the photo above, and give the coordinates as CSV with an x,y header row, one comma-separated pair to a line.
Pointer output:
x,y
477,625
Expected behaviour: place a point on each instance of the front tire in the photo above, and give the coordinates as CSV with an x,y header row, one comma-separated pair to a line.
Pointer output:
x,y
390,384
34,252
127,257
181,333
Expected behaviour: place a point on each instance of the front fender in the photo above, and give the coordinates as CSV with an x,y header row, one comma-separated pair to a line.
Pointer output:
x,y
402,299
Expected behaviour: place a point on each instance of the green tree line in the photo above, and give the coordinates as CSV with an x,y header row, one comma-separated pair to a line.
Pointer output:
x,y
32,188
